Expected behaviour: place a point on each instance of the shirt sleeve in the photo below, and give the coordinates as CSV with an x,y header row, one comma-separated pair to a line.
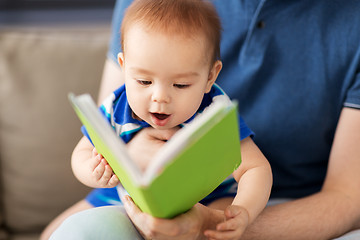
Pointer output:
x,y
245,131
118,14
353,95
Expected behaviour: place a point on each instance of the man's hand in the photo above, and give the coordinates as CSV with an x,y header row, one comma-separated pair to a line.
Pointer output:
x,y
185,226
147,143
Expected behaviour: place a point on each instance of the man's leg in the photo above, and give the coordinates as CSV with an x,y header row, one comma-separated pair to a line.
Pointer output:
x,y
354,235
109,222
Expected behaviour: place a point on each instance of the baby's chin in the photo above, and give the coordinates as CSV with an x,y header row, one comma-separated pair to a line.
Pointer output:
x,y
166,127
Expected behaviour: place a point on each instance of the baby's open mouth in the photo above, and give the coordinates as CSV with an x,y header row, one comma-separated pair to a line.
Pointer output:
x,y
160,119
160,116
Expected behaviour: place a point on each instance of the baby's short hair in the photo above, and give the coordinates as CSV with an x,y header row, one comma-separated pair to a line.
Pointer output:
x,y
184,17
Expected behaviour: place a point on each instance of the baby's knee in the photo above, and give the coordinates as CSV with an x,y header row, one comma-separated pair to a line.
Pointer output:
x,y
109,222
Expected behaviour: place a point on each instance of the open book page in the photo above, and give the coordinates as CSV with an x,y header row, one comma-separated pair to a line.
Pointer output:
x,y
186,136
104,137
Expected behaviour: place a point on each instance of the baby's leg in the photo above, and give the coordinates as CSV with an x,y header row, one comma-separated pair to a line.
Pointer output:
x,y
110,222
54,224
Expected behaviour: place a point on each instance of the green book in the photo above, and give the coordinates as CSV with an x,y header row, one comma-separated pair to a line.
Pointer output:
x,y
185,170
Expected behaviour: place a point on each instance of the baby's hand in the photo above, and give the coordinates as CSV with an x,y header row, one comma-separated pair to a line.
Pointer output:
x,y
235,222
102,172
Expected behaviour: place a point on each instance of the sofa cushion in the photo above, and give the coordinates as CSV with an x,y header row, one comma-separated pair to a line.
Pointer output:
x,y
38,128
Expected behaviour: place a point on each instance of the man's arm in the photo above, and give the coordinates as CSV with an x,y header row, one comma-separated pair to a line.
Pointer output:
x,y
111,79
335,209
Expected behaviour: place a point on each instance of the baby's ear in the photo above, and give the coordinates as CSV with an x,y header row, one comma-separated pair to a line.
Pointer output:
x,y
213,74
121,59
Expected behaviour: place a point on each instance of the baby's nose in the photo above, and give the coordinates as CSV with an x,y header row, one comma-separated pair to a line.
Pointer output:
x,y
160,95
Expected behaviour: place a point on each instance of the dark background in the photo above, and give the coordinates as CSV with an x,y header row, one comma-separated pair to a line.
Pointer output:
x,y
49,12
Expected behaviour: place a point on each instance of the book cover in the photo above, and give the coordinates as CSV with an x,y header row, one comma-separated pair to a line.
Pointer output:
x,y
185,170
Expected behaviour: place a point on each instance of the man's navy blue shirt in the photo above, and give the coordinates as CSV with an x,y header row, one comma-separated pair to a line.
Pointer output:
x,y
292,66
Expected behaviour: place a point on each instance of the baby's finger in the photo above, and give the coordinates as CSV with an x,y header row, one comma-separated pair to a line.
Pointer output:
x,y
105,178
99,171
231,224
226,235
94,163
103,159
94,152
114,180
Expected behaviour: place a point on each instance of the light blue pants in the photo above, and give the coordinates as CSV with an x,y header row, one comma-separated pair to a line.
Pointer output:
x,y
105,223
112,223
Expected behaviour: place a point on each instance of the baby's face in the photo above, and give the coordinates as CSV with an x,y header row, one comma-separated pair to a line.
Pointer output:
x,y
166,77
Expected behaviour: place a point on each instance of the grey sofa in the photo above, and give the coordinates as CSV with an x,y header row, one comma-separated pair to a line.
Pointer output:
x,y
38,128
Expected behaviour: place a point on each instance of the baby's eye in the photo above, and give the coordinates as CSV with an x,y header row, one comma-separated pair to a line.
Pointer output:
x,y
181,86
143,82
